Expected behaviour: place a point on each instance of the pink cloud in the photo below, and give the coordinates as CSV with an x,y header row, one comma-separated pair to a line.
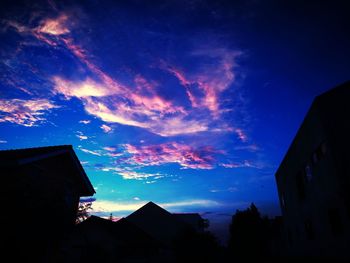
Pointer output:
x,y
210,81
25,112
179,125
172,152
183,81
106,128
109,149
153,113
112,152
54,26
83,89
141,103
241,134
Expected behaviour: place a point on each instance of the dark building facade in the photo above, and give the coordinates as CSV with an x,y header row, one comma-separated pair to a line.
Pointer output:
x,y
313,179
40,194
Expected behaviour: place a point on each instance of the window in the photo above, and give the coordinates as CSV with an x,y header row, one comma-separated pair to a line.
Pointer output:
x,y
309,231
308,172
335,221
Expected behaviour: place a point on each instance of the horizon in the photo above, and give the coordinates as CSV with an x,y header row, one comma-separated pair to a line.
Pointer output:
x,y
191,105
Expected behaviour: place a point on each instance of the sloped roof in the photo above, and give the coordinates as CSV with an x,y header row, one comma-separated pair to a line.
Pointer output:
x,y
339,90
17,157
157,222
333,98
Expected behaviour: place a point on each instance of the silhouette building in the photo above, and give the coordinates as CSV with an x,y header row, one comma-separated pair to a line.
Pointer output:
x,y
313,179
160,224
146,235
40,194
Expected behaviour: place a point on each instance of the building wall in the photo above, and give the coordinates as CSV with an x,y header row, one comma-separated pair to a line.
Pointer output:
x,y
313,202
41,200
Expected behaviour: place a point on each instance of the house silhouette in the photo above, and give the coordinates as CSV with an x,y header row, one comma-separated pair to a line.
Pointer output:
x,y
158,223
99,239
146,235
40,191
313,179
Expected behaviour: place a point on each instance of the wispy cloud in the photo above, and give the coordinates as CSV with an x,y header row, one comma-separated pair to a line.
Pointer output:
x,y
205,87
129,173
245,163
83,89
241,134
3,141
96,152
109,149
81,136
139,175
106,128
142,102
54,26
142,106
85,121
172,152
25,112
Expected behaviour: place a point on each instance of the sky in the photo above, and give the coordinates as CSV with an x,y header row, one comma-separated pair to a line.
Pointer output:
x,y
189,104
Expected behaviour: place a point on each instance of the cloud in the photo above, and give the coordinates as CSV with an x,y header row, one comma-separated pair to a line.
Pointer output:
x,y
112,152
109,149
25,112
81,136
241,134
172,152
129,173
139,175
3,141
231,189
54,26
245,163
143,102
97,153
142,105
85,121
205,87
110,206
106,128
179,126
86,88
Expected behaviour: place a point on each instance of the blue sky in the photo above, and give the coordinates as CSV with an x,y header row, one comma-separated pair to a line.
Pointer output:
x,y
190,104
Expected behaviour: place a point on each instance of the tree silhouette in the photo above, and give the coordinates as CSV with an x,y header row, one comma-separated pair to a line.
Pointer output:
x,y
248,234
195,246
83,211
